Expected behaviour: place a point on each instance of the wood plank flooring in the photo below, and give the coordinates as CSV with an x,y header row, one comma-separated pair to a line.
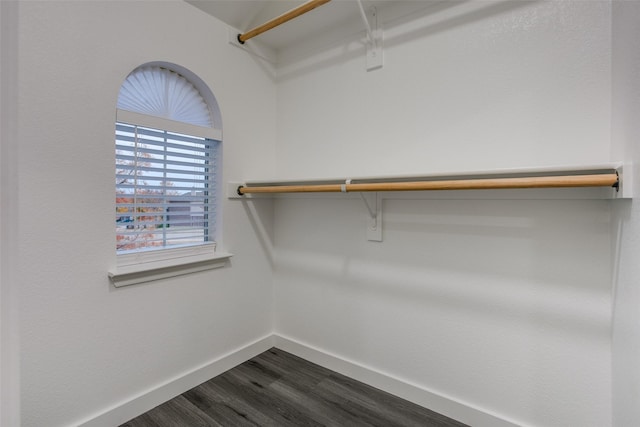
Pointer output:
x,y
277,388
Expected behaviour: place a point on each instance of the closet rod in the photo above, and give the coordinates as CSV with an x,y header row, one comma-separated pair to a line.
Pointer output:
x,y
565,181
293,13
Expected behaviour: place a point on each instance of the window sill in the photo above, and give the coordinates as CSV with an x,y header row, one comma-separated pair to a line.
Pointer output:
x,y
142,268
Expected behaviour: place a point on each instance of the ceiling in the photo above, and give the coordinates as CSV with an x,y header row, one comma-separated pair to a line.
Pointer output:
x,y
244,15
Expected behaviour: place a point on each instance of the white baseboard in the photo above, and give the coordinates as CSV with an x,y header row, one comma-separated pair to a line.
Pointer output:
x,y
131,408
444,405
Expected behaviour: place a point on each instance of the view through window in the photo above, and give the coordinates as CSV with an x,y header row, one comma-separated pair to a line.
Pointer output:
x,y
165,188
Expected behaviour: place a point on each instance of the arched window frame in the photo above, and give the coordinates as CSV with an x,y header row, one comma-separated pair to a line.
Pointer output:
x,y
173,115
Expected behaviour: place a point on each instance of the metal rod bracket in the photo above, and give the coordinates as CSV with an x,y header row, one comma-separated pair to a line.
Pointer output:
x,y
374,222
372,213
374,37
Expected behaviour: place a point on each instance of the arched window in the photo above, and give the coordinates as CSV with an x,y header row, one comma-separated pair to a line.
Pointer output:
x,y
167,146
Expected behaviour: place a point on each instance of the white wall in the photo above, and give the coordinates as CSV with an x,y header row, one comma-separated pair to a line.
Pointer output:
x,y
85,345
626,268
504,305
9,334
465,85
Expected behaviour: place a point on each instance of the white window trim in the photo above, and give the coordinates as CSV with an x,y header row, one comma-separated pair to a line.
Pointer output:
x,y
149,266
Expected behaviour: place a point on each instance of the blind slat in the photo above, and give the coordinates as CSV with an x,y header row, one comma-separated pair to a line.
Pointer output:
x,y
200,180
144,160
132,168
159,154
159,134
128,143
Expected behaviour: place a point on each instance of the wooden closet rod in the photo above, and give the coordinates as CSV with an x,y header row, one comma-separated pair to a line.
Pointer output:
x,y
293,13
565,181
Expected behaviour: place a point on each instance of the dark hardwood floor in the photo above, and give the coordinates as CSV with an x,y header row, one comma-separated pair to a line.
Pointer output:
x,y
277,388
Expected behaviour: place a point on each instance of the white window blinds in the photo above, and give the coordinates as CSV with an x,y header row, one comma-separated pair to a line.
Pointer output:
x,y
165,188
159,92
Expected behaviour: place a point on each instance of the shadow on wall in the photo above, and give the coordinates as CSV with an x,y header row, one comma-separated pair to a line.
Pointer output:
x,y
260,215
625,272
621,215
520,261
352,45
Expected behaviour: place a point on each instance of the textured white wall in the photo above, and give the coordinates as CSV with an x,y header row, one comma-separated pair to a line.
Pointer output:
x,y
465,85
504,305
626,225
85,345
9,339
501,304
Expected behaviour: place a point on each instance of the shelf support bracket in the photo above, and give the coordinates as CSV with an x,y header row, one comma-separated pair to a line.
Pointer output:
x,y
373,203
374,37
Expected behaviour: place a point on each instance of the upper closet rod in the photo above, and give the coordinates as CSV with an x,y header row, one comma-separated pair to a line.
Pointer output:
x,y
293,13
597,180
